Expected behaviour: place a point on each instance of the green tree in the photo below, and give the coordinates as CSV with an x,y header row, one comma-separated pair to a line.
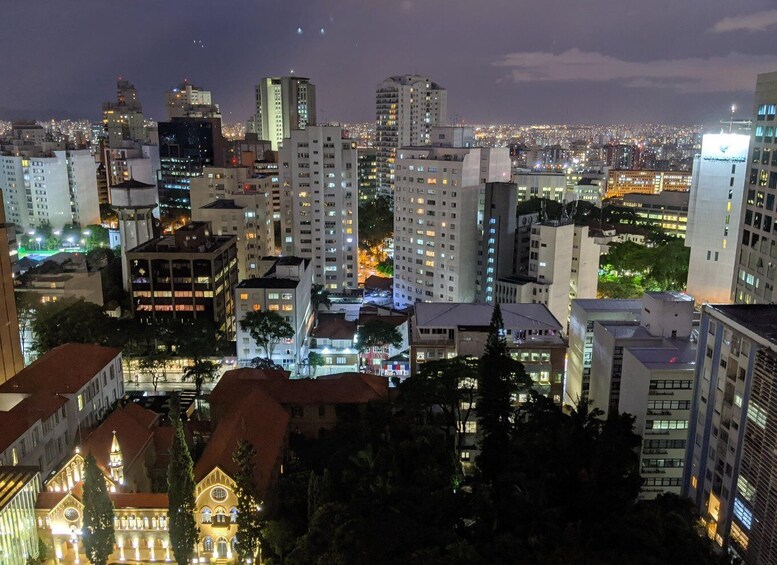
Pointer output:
x,y
386,267
96,236
267,329
201,372
319,296
249,508
500,378
315,360
446,390
155,365
377,333
180,493
70,321
98,533
376,222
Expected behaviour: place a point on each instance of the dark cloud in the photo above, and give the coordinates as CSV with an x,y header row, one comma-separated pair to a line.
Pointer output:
x,y
502,60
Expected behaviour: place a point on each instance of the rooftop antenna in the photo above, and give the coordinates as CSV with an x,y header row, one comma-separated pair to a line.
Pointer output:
x,y
731,123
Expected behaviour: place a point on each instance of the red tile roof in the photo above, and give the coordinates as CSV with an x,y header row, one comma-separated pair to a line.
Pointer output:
x,y
133,425
232,385
334,326
48,500
16,421
140,500
258,419
395,320
63,370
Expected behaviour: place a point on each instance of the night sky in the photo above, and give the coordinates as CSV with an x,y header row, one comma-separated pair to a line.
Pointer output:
x,y
510,61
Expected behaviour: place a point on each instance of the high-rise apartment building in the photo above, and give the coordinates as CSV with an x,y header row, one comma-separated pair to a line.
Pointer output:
x,y
756,270
729,470
407,107
368,173
714,213
319,201
283,104
44,184
11,360
436,207
123,120
189,101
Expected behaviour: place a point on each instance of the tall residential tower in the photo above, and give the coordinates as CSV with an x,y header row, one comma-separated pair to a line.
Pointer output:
x,y
283,104
407,107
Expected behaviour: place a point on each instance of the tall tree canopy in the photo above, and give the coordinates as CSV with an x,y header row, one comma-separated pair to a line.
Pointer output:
x,y
97,529
267,329
180,493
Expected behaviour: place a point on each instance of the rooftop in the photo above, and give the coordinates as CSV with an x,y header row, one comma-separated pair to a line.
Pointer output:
x,y
132,183
334,326
665,358
222,204
63,370
761,319
516,316
607,304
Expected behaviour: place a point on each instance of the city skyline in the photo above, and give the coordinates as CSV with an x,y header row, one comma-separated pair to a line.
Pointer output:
x,y
538,65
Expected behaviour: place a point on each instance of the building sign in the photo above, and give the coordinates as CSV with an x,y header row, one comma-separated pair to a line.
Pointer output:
x,y
728,147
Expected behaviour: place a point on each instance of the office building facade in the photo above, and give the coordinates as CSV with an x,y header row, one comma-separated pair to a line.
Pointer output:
x,y
714,213
756,269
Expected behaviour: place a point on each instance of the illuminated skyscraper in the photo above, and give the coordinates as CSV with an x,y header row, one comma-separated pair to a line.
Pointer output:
x,y
756,271
283,104
407,107
714,212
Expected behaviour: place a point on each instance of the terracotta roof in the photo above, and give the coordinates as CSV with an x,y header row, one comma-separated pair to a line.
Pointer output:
x,y
395,320
342,388
334,326
63,370
382,283
258,419
132,425
139,500
15,422
49,500
232,385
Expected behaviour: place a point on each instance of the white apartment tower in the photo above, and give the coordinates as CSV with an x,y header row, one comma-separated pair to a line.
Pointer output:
x,y
283,104
319,203
407,107
436,203
58,187
714,211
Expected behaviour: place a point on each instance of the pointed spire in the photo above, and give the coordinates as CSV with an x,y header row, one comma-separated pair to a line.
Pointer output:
x,y
116,461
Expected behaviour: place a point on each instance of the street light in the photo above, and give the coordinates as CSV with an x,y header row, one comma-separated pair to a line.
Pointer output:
x,y
38,239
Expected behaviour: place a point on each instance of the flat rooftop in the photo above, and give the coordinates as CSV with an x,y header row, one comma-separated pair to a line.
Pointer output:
x,y
761,319
607,304
665,358
516,316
